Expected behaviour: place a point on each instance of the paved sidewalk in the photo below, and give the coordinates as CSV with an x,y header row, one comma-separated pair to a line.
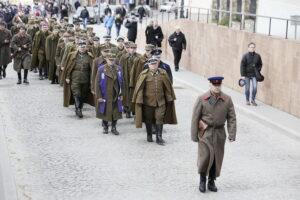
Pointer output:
x,y
289,124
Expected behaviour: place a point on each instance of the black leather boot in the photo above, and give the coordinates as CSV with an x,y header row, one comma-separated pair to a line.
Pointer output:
x,y
80,105
114,128
41,74
4,71
77,104
159,139
128,114
25,76
1,72
211,185
19,78
153,129
202,185
105,127
149,132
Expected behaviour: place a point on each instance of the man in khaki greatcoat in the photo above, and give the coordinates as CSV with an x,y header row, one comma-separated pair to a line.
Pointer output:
x,y
5,38
210,113
154,100
39,51
77,83
51,45
108,88
126,62
21,43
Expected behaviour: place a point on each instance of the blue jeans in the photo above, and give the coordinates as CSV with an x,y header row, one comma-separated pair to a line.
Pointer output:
x,y
108,30
247,88
118,30
84,22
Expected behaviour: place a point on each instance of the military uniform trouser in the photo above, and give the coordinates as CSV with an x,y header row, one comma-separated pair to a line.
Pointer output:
x,y
154,115
80,90
42,64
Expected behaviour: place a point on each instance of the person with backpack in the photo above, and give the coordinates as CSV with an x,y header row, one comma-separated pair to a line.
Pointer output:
x,y
85,16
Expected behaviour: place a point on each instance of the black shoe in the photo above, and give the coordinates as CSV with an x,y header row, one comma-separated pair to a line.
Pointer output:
x,y
25,81
153,129
159,139
41,78
211,185
176,69
79,113
202,185
105,127
4,73
19,82
34,70
128,115
149,129
52,82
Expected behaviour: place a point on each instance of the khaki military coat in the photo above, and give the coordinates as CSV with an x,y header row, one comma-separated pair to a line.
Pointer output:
x,y
113,92
36,51
4,47
126,63
211,144
68,96
51,46
96,62
22,58
170,114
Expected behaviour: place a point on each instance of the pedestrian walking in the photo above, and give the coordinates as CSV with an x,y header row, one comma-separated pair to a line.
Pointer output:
x,y
77,83
77,4
21,44
210,113
5,38
156,36
118,23
64,12
131,25
109,21
251,62
141,11
148,31
85,16
107,10
154,100
178,43
108,86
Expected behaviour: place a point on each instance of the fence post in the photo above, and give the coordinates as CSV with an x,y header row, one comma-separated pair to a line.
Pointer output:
x,y
168,17
254,26
287,30
270,22
207,16
198,14
218,20
162,17
190,13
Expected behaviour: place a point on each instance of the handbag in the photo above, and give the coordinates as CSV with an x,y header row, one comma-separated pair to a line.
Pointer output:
x,y
259,77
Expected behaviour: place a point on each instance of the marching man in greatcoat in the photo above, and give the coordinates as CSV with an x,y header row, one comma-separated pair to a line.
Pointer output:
x,y
210,113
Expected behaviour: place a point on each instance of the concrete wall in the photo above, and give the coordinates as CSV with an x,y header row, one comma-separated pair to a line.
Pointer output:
x,y
214,50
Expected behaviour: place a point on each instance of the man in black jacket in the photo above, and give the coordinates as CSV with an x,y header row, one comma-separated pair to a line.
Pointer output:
x,y
85,15
178,42
251,61
131,25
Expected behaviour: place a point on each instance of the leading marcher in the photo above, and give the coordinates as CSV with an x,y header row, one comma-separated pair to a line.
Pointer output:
x,y
210,113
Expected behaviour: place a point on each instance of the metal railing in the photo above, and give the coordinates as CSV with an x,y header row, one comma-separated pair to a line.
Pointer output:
x,y
272,26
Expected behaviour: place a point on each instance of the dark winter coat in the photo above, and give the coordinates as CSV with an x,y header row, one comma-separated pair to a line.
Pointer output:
x,y
4,47
156,32
132,30
249,62
180,42
148,34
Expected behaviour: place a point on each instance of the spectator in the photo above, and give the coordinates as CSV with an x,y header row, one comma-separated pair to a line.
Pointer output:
x,y
148,31
77,4
64,12
251,61
55,10
178,42
141,12
121,11
107,10
85,16
131,25
118,22
156,34
109,21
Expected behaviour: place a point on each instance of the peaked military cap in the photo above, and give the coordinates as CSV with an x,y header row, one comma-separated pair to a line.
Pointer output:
x,y
106,37
96,38
152,61
216,80
156,52
120,38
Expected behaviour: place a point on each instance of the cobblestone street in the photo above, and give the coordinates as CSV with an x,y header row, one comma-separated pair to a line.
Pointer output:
x,y
56,156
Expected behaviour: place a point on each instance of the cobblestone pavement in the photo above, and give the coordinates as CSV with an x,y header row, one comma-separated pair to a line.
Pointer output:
x,y
56,156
